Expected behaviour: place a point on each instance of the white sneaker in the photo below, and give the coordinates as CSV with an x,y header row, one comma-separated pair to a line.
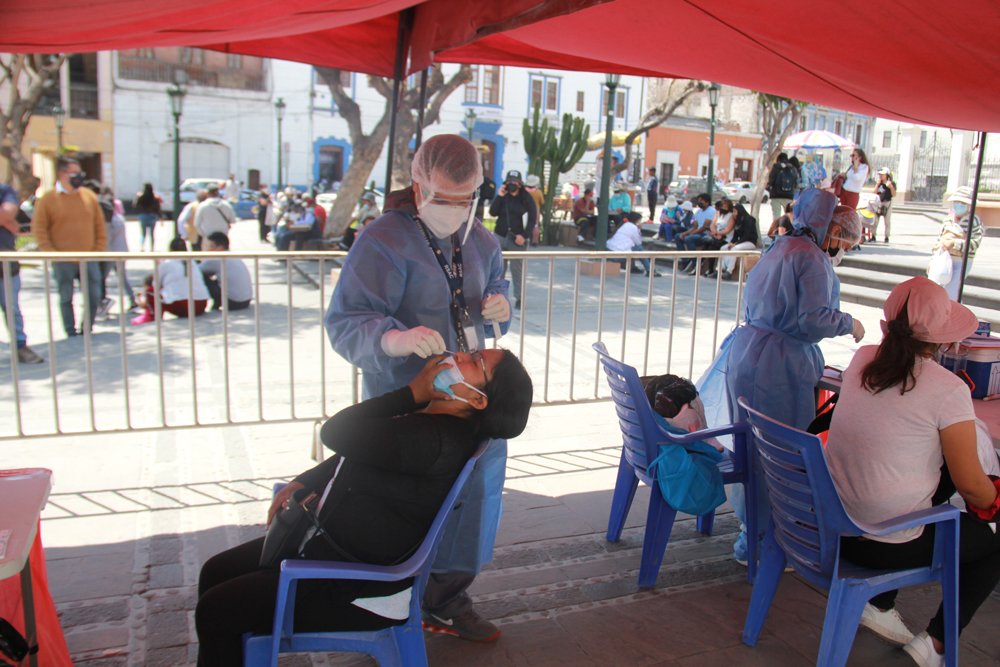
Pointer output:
x,y
103,309
921,649
886,624
579,239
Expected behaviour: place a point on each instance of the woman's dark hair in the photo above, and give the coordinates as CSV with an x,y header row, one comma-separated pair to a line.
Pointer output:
x,y
509,394
147,200
896,357
177,244
667,394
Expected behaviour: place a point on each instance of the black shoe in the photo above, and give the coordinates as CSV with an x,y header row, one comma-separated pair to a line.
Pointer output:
x,y
712,275
726,275
636,269
656,274
885,240
517,304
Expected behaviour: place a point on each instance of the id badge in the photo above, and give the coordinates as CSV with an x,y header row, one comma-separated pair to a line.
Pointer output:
x,y
469,327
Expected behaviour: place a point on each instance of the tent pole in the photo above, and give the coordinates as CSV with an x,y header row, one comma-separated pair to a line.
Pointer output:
x,y
402,36
420,108
972,214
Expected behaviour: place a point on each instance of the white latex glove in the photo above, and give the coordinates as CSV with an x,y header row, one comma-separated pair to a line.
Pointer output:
x,y
420,341
858,331
496,308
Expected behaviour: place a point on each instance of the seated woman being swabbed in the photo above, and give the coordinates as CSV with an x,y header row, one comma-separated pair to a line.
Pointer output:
x,y
903,438
397,457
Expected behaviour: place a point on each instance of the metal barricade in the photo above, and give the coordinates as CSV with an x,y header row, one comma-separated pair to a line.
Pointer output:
x,y
272,362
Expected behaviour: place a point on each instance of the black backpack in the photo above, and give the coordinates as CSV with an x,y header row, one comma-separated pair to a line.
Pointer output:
x,y
786,181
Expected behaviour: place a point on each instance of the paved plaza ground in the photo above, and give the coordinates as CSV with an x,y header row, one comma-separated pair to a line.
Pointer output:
x,y
134,514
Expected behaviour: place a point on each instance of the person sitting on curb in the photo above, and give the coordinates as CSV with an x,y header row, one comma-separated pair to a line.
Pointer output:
x,y
584,215
172,290
239,287
628,238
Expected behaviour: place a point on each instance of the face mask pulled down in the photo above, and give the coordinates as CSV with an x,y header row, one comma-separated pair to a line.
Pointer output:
x,y
452,376
444,220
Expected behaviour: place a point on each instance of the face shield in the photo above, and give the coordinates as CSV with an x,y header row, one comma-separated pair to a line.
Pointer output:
x,y
449,172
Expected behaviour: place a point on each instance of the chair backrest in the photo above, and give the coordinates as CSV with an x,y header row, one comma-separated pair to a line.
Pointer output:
x,y
640,432
806,510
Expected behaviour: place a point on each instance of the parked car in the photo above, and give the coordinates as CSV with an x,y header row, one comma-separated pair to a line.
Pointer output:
x,y
190,187
245,206
742,191
689,187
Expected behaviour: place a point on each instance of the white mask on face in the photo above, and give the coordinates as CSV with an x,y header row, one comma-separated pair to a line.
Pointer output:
x,y
837,257
441,219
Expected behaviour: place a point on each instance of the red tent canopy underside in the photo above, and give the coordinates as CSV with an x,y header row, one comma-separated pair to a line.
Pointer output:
x,y
919,61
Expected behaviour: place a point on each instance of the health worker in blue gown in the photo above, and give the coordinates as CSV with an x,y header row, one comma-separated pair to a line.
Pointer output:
x,y
792,300
423,279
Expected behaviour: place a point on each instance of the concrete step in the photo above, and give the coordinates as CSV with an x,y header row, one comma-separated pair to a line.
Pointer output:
x,y
549,577
986,309
907,268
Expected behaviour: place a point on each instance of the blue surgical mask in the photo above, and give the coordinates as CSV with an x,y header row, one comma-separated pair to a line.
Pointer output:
x,y
960,208
451,376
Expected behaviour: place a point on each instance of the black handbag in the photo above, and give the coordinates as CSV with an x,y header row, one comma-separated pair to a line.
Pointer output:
x,y
288,528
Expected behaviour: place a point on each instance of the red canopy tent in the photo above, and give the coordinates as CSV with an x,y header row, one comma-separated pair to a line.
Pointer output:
x,y
919,61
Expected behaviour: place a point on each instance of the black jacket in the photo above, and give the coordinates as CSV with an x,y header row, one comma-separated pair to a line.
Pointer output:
x,y
398,466
773,179
509,211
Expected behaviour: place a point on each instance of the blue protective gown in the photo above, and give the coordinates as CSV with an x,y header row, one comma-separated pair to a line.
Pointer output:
x,y
391,280
792,302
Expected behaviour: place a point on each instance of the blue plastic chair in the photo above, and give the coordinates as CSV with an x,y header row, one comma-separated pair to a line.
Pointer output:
x,y
396,646
641,438
807,522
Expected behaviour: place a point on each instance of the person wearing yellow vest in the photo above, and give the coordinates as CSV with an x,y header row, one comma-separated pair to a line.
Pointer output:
x,y
69,219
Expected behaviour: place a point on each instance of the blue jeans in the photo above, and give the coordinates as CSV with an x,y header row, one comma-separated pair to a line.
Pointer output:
x,y
644,260
147,222
66,273
15,288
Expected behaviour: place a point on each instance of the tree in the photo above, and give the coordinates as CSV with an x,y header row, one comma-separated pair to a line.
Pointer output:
x,y
24,78
676,93
779,116
366,148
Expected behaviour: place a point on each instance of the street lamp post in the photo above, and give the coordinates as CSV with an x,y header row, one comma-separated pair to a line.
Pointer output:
x,y
176,93
470,122
713,101
59,116
279,113
601,234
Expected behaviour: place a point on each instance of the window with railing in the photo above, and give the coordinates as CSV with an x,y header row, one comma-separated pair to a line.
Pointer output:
x,y
545,93
484,87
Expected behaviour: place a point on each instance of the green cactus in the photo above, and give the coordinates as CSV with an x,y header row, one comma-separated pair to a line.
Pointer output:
x,y
537,135
562,155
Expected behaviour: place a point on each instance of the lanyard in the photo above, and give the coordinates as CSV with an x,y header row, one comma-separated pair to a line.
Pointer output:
x,y
453,273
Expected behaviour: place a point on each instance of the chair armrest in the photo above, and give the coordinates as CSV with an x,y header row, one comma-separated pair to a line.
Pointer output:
x,y
694,436
930,515
325,569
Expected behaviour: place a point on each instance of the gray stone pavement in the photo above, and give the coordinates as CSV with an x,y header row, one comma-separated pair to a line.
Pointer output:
x,y
134,514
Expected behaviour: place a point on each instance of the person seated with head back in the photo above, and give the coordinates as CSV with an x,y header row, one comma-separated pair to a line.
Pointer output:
x,y
239,287
903,438
173,288
396,458
628,238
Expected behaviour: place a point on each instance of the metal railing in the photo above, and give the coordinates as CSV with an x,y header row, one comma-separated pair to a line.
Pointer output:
x,y
273,362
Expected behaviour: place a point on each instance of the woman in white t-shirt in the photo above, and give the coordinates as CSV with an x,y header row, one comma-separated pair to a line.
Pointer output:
x,y
172,290
854,178
903,438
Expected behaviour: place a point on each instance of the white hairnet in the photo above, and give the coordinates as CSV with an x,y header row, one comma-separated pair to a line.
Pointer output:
x,y
813,209
447,164
848,225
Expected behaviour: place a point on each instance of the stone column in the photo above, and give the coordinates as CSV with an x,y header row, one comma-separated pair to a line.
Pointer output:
x,y
959,171
907,142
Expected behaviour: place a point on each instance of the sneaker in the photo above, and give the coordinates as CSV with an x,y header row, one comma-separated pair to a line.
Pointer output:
x,y
886,624
579,239
26,355
726,275
143,319
467,625
921,649
103,309
656,274
713,275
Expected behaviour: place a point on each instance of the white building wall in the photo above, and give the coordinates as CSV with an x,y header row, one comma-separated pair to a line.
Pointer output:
x,y
245,123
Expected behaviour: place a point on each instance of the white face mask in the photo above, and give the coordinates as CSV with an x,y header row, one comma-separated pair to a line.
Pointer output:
x,y
837,257
444,220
